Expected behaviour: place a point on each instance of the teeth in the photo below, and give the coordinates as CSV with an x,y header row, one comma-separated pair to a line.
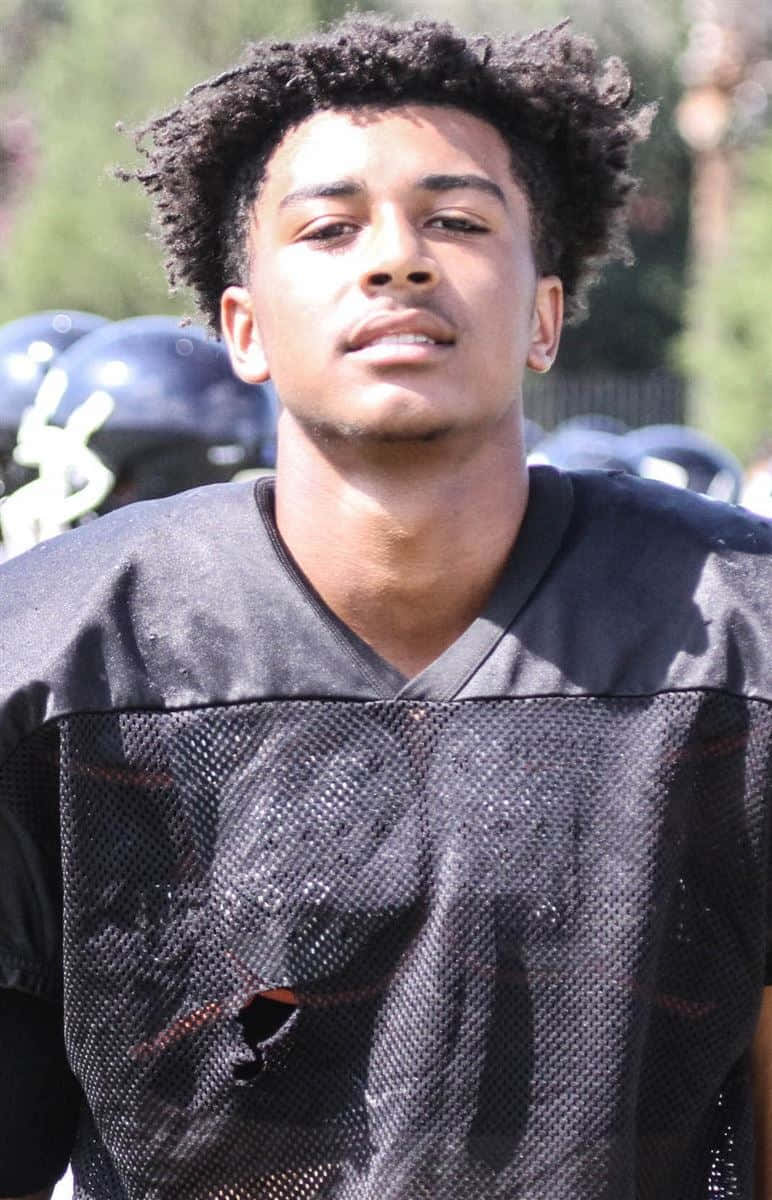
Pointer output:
x,y
403,339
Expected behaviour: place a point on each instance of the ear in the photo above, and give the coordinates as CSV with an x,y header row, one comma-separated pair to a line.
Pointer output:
x,y
242,336
546,324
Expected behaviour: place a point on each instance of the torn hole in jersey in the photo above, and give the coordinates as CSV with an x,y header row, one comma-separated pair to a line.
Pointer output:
x,y
262,1021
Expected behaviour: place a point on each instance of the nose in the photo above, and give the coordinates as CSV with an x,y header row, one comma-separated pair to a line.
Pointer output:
x,y
396,258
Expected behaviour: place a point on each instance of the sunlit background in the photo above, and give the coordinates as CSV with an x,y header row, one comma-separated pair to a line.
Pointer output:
x,y
683,336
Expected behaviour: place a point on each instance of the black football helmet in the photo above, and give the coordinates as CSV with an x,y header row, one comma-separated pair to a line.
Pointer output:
x,y
29,346
686,458
139,409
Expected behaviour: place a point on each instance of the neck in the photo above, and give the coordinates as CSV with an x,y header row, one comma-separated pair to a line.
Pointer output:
x,y
403,542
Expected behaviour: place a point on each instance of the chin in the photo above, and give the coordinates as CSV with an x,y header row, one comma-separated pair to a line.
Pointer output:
x,y
388,437
394,419
382,432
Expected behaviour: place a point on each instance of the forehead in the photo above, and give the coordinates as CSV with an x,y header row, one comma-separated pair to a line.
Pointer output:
x,y
378,146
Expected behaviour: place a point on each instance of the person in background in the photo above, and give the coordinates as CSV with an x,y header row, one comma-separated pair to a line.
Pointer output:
x,y
29,347
137,410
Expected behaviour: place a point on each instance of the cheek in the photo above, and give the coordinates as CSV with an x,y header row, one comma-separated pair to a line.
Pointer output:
x,y
512,311
502,317
285,323
297,305
501,282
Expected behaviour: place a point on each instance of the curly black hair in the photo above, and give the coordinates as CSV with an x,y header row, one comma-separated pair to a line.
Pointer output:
x,y
566,117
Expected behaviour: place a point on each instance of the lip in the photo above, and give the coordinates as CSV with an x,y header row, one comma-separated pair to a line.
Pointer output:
x,y
365,335
396,354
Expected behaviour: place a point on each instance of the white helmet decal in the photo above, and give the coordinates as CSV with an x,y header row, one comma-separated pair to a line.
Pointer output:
x,y
72,479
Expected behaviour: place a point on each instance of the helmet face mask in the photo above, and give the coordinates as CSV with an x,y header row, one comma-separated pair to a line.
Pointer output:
x,y
686,458
12,474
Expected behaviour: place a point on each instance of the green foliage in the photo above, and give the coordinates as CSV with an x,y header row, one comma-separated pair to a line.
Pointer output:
x,y
728,349
79,239
636,311
23,25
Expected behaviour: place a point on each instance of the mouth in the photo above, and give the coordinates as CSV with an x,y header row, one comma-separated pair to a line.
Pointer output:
x,y
399,352
404,339
411,335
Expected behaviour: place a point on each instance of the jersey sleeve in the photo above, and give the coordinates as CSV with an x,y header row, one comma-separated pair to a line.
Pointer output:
x,y
768,966
39,1099
30,869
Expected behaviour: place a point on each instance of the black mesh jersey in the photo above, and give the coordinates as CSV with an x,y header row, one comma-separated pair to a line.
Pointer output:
x,y
520,901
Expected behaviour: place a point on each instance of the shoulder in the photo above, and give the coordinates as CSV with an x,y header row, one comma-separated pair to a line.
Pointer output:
x,y
94,617
185,524
664,535
164,547
655,587
656,517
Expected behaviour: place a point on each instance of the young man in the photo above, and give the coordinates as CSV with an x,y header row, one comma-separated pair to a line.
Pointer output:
x,y
414,828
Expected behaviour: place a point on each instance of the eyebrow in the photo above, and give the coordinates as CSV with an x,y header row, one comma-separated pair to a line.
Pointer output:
x,y
322,191
429,183
450,183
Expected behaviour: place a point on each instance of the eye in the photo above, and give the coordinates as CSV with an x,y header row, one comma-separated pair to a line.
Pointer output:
x,y
330,232
458,224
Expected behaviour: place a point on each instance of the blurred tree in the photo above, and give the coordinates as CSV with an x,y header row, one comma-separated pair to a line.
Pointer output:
x,y
733,367
23,24
18,155
79,239
723,116
635,313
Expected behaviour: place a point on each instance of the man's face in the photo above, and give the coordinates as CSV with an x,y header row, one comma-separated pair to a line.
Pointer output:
x,y
393,293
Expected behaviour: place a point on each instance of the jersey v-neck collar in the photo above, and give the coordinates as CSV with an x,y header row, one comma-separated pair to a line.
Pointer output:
x,y
547,514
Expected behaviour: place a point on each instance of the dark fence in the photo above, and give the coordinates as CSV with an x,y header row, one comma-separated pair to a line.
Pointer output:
x,y
645,398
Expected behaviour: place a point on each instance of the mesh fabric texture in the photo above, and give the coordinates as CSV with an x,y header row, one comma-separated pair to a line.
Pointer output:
x,y
525,939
